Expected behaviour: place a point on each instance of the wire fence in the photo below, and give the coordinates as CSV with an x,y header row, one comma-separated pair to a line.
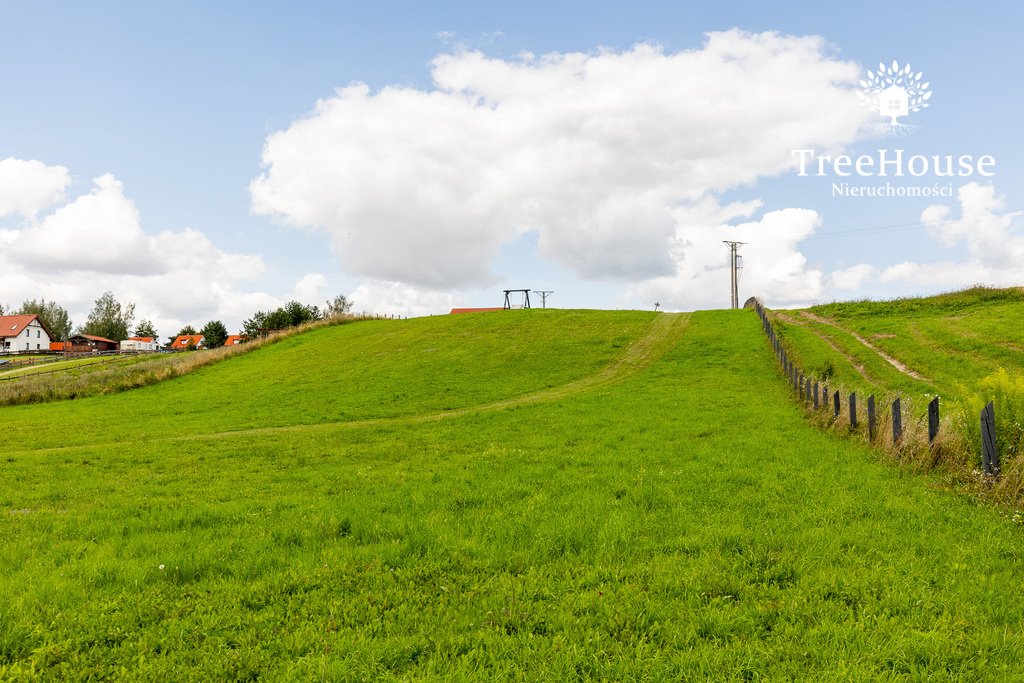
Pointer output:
x,y
817,395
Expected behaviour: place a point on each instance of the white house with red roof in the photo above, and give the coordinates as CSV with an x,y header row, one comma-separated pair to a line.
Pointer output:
x,y
23,333
138,344
188,341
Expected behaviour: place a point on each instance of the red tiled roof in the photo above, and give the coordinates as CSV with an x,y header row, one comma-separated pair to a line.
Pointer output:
x,y
473,310
95,338
148,340
185,340
12,325
233,339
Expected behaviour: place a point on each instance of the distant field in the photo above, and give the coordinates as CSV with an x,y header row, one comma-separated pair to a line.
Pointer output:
x,y
51,365
536,495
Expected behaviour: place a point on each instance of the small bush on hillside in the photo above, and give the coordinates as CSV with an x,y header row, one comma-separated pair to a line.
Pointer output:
x,y
1007,394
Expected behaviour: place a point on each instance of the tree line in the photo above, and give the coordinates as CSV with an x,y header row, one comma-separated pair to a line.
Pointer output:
x,y
112,320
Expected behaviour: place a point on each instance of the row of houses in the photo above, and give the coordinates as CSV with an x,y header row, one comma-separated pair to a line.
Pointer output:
x,y
27,333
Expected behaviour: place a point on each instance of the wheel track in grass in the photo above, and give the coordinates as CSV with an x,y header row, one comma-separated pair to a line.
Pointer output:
x,y
854,363
660,337
899,365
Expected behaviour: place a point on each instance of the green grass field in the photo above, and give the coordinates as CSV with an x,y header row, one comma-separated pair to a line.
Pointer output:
x,y
540,495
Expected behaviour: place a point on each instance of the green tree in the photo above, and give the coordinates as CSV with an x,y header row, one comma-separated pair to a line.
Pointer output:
x,y
298,313
145,329
214,334
254,327
109,319
339,305
278,319
291,314
53,316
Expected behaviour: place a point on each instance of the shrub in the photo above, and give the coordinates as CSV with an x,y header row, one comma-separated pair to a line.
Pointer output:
x,y
1007,393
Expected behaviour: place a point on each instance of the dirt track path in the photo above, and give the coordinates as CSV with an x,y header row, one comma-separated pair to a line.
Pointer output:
x,y
859,367
662,334
879,352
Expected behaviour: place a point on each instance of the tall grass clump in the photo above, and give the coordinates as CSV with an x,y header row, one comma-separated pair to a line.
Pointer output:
x,y
1007,394
109,380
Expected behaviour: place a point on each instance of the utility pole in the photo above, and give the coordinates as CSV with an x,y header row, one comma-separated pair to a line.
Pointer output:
x,y
544,296
734,261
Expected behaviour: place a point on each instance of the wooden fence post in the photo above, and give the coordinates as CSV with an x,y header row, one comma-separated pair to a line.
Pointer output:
x,y
933,420
816,402
824,396
897,422
872,418
807,390
835,405
989,454
853,410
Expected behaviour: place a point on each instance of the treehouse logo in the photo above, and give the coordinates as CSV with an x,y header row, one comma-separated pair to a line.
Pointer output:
x,y
895,92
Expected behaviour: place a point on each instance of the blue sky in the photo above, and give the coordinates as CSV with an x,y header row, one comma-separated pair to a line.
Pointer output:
x,y
177,100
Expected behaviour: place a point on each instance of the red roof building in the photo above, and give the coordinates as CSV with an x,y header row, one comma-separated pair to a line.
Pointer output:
x,y
187,341
89,343
234,340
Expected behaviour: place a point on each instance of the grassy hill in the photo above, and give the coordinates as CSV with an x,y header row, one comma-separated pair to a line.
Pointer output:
x,y
538,495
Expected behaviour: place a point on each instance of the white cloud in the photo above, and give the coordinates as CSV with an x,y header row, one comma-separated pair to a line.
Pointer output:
x,y
853,277
984,227
28,187
773,267
601,154
395,298
310,288
991,239
99,232
96,243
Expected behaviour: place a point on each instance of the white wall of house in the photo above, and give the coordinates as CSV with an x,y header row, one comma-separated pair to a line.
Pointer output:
x,y
133,345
